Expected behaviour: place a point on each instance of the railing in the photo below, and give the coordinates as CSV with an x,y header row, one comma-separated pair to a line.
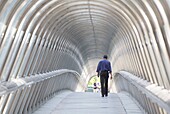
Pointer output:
x,y
153,99
25,95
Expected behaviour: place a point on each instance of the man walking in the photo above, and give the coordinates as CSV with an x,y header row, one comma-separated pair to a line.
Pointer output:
x,y
103,70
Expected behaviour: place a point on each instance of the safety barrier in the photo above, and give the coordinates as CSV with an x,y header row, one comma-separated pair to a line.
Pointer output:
x,y
25,95
154,99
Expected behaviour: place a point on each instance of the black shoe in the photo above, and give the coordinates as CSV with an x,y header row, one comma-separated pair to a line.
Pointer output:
x,y
102,95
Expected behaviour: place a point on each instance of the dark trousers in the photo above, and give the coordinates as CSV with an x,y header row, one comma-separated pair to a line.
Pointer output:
x,y
104,82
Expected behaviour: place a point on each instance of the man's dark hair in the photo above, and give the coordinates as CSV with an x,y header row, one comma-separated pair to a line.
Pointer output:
x,y
105,56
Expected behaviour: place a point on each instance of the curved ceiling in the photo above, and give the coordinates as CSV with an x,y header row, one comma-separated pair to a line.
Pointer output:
x,y
46,32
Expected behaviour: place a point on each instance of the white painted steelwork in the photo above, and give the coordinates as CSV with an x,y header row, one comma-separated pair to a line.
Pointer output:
x,y
42,36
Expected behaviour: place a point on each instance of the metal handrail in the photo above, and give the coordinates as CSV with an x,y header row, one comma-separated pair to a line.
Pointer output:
x,y
154,93
15,84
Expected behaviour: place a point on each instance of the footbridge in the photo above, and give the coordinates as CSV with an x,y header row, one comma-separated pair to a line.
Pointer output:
x,y
49,50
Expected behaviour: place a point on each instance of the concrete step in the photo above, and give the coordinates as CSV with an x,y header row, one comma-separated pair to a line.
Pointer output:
x,y
89,103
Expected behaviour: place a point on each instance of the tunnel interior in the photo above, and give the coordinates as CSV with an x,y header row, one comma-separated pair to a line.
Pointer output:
x,y
58,44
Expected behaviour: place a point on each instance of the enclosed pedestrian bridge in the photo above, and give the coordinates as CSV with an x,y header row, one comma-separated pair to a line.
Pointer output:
x,y
49,50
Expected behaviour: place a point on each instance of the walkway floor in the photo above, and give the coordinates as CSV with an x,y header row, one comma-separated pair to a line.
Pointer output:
x,y
89,103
